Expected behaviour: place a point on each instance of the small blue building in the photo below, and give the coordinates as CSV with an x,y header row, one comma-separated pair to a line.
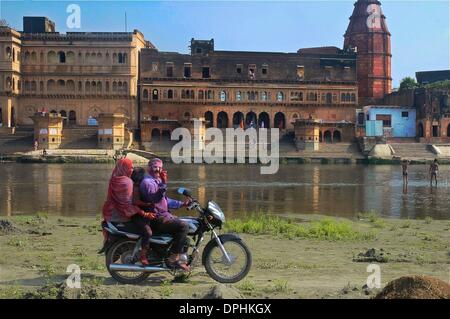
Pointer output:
x,y
390,121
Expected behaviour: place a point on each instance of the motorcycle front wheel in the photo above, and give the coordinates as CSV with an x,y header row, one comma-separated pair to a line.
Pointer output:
x,y
220,268
122,252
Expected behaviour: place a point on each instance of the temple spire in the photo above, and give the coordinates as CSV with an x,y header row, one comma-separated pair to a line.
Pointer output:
x,y
369,36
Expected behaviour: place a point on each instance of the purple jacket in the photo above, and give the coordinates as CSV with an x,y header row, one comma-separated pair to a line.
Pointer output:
x,y
153,190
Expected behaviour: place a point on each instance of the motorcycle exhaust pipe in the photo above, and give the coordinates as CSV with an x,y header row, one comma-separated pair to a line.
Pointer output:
x,y
125,267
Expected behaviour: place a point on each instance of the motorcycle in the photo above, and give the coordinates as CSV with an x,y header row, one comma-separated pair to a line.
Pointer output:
x,y
226,258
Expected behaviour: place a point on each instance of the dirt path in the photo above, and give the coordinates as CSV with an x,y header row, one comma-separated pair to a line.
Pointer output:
x,y
35,253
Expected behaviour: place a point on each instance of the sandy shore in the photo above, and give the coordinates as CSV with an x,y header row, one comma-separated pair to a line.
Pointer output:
x,y
36,253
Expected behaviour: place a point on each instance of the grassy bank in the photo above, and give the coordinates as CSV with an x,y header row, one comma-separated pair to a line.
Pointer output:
x,y
305,257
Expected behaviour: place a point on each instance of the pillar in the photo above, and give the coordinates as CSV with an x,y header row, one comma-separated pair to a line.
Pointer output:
x,y
111,131
48,130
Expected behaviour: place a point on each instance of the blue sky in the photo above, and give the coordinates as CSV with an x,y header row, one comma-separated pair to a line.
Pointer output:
x,y
420,29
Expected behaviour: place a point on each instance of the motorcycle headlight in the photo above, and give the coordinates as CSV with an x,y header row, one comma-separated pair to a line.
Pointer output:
x,y
216,211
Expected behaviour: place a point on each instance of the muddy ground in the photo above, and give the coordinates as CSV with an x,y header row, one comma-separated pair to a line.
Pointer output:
x,y
36,250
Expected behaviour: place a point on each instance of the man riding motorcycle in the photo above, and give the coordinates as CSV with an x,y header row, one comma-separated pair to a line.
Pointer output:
x,y
153,190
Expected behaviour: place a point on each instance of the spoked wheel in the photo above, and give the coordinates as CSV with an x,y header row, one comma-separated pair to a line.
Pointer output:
x,y
122,253
223,270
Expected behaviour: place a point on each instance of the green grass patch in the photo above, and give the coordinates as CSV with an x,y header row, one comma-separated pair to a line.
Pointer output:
x,y
246,286
325,229
17,241
11,292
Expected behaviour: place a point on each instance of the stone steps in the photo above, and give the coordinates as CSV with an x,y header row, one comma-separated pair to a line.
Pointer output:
x,y
412,150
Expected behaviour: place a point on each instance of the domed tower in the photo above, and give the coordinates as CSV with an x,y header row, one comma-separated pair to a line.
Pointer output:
x,y
368,35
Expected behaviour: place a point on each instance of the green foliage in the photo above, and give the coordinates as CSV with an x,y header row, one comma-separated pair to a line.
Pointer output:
x,y
408,83
11,292
246,286
325,229
439,85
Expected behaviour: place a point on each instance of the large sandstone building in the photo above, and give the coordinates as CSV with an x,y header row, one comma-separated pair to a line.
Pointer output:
x,y
77,74
82,74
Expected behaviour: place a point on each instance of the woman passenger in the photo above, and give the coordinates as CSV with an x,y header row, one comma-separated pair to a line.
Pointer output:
x,y
119,206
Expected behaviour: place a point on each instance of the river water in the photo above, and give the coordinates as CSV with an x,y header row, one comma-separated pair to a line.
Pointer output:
x,y
337,190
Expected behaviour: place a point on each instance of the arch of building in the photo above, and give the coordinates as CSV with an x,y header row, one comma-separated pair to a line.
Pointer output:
x,y
280,120
209,118
264,120
330,135
222,120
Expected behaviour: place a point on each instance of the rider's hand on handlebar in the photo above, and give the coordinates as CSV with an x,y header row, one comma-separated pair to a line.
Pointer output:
x,y
187,202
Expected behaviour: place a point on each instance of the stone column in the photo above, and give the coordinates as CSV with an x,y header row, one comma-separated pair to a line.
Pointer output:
x,y
111,131
6,105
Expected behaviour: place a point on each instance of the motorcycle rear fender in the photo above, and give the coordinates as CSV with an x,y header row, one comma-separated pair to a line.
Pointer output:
x,y
108,243
212,242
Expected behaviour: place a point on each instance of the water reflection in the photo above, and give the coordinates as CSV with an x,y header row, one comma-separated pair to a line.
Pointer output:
x,y
340,190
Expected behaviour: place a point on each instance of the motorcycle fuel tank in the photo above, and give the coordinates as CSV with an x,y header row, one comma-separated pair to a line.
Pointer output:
x,y
193,224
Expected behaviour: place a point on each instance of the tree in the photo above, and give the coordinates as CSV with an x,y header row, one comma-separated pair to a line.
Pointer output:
x,y
408,83
439,85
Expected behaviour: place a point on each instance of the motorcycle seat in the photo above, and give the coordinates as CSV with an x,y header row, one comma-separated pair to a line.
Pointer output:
x,y
115,229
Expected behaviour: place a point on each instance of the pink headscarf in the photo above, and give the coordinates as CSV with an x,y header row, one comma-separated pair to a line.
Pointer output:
x,y
120,191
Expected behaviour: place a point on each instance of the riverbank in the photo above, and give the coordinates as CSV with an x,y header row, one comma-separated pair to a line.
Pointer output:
x,y
78,158
307,257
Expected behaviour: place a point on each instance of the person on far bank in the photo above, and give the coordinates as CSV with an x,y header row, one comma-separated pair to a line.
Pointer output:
x,y
153,190
405,165
434,168
35,145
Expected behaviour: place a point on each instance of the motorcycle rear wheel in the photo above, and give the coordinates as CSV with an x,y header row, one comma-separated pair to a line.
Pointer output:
x,y
121,252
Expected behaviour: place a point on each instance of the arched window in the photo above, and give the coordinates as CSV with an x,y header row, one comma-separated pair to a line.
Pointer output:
x,y
238,96
155,94
61,57
72,117
8,53
280,96
238,120
280,121
51,86
264,120
222,120
145,94
170,94
353,97
51,57
61,85
209,119
33,86
329,98
33,57
223,96
336,136
210,95
200,95
264,96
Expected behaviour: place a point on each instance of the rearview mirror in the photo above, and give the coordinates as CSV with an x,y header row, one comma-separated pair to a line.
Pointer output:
x,y
184,191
